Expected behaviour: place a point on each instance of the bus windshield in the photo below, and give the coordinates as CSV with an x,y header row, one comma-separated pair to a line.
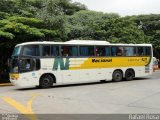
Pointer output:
x,y
14,66
16,51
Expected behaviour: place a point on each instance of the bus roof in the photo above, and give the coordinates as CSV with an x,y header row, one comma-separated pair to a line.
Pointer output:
x,y
80,42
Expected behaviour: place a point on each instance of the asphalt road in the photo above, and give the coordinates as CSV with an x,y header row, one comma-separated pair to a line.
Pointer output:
x,y
141,95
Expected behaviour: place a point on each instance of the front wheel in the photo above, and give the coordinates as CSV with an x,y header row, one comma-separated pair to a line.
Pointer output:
x,y
46,81
117,76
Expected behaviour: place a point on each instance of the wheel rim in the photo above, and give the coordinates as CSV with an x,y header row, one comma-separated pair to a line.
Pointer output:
x,y
118,76
129,75
46,82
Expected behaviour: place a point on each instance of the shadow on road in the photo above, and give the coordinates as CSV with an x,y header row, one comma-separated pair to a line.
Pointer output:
x,y
81,84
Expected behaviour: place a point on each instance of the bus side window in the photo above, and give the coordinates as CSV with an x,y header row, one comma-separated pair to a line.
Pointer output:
x,y
140,51
114,51
74,50
117,51
102,51
46,51
87,51
32,50
107,49
120,51
129,51
54,51
69,51
147,51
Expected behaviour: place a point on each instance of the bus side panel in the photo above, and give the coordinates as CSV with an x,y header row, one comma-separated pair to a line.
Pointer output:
x,y
86,75
48,66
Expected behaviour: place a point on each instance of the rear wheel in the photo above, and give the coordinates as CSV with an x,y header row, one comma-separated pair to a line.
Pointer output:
x,y
129,74
117,76
46,81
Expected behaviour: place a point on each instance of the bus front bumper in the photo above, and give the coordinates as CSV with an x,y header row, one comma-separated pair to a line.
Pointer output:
x,y
22,82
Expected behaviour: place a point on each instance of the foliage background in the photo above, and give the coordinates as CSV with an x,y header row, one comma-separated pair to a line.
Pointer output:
x,y
62,20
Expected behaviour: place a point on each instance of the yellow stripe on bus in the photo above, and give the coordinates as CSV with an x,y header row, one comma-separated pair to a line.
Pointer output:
x,y
113,62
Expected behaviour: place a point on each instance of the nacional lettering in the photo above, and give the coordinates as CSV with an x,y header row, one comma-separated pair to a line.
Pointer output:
x,y
101,60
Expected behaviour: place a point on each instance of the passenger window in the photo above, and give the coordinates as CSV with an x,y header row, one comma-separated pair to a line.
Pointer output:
x,y
147,51
54,51
102,51
117,51
46,51
69,51
31,50
140,51
114,51
107,49
87,51
129,51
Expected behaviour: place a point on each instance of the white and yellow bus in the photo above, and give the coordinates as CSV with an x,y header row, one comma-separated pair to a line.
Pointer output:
x,y
78,61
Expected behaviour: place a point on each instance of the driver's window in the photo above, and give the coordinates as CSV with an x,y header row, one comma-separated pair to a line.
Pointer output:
x,y
25,64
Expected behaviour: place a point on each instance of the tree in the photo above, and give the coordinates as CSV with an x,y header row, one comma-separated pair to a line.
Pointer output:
x,y
120,30
84,24
87,24
54,14
21,29
150,24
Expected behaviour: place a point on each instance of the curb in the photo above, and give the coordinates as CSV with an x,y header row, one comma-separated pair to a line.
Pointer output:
x,y
6,84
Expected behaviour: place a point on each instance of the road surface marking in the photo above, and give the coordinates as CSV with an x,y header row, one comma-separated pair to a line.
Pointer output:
x,y
26,110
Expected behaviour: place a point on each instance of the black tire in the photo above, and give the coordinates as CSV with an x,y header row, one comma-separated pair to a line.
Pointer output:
x,y
117,76
129,74
46,81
